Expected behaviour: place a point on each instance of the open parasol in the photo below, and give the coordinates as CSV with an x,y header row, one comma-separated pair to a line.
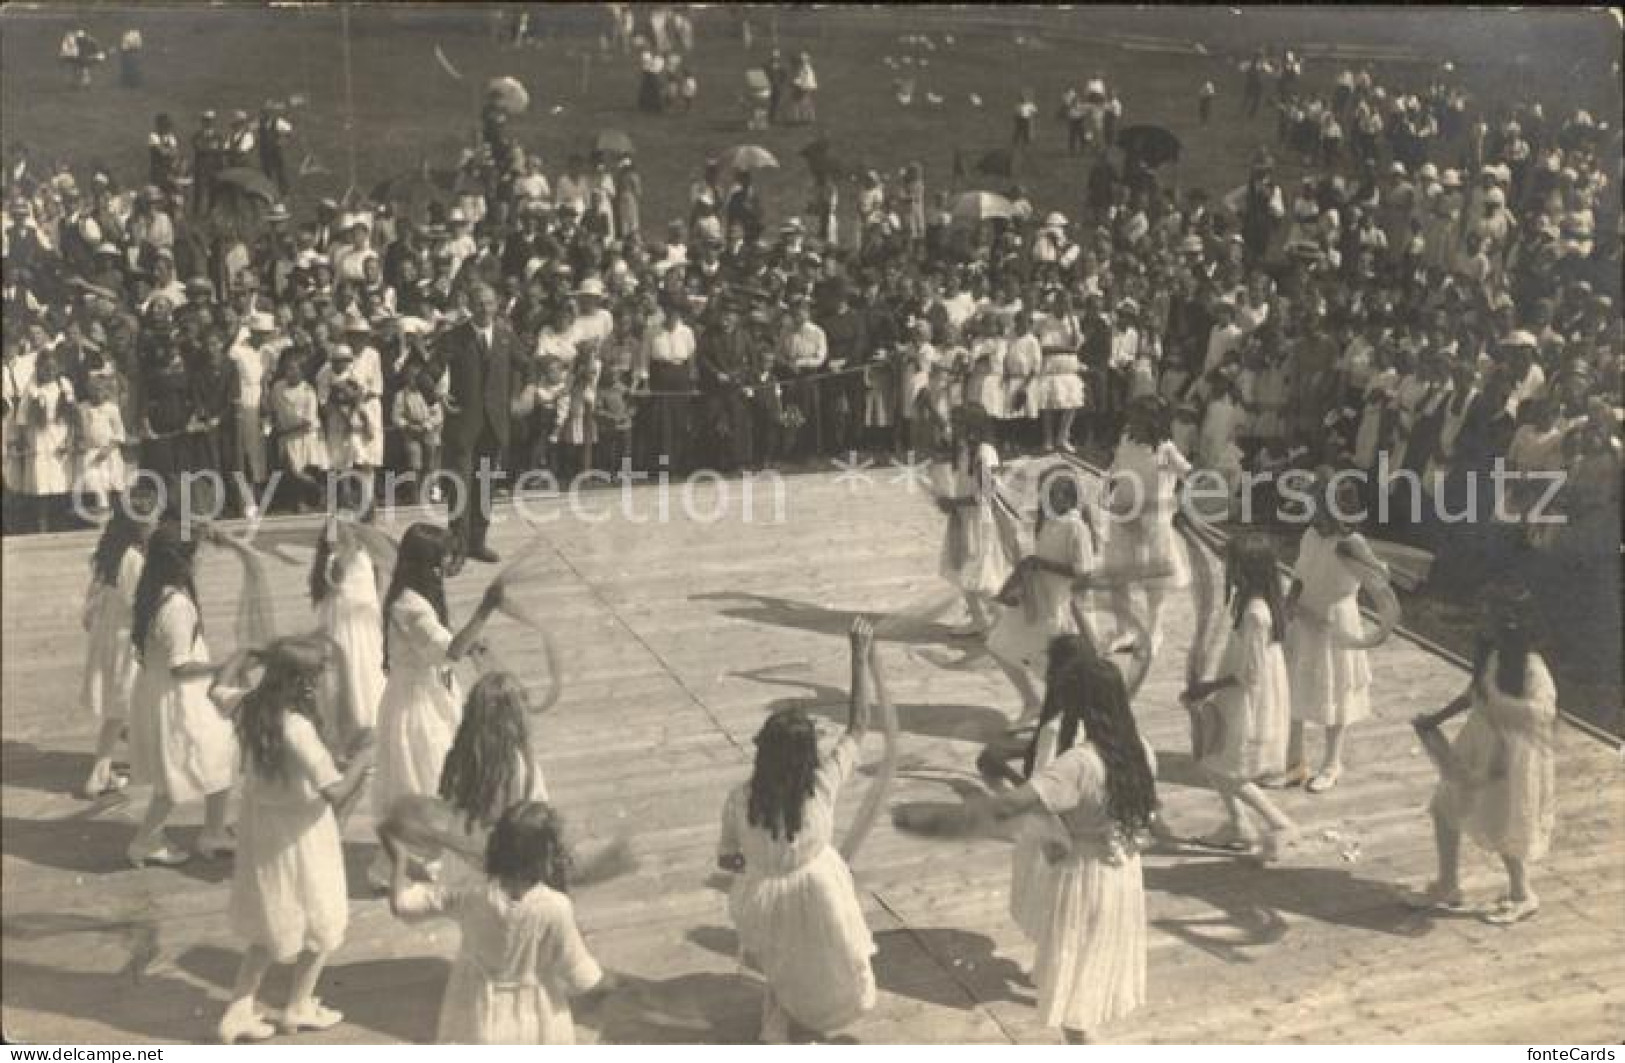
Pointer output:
x,y
973,207
248,181
1151,144
508,94
747,157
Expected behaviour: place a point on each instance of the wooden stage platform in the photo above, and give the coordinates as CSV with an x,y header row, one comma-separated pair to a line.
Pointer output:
x,y
678,638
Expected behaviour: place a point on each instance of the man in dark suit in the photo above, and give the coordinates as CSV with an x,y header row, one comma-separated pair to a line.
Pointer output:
x,y
480,356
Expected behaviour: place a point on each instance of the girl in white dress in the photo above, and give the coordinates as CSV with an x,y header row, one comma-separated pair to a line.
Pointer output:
x,y
179,741
1497,780
1329,673
289,902
48,417
1038,597
522,956
344,589
1023,399
296,425
1088,910
1243,714
101,473
794,903
1143,498
975,549
110,660
1060,387
421,705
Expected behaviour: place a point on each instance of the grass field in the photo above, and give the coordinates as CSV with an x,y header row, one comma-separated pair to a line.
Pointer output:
x,y
408,108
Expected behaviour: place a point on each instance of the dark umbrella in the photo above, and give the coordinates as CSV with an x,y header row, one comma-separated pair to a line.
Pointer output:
x,y
825,164
1150,144
247,181
411,194
999,163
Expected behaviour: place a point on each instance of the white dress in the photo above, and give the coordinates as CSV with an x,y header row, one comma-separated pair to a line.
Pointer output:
x,y
48,429
1090,967
796,908
973,554
288,891
301,448
1031,882
179,741
519,964
1022,632
1506,796
351,617
17,381
1331,680
1144,501
1256,713
110,661
1023,359
420,707
101,428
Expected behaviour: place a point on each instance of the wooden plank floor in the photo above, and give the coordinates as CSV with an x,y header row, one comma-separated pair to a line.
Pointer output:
x,y
678,637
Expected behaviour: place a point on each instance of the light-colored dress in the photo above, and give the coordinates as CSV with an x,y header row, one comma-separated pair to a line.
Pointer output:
x,y
101,456
1256,713
420,707
973,556
1144,502
796,908
1505,797
351,617
1330,679
179,741
1090,967
288,892
16,380
1023,360
48,429
1022,632
519,964
292,405
110,661
1032,884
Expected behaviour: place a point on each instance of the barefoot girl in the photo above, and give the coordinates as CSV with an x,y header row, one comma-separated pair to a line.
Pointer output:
x,y
110,661
179,741
1243,714
1497,778
522,957
1088,915
793,902
421,705
289,903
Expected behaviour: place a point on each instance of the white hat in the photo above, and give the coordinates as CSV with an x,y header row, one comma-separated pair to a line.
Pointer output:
x,y
341,350
456,216
1496,196
1520,338
260,321
1450,179
1428,172
1055,220
591,286
1396,168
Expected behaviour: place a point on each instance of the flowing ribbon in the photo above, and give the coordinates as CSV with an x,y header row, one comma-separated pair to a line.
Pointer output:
x,y
256,619
1373,577
875,799
1198,658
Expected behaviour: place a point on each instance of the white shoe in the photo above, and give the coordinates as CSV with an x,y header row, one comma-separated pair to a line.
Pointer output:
x,y
313,1015
155,850
243,1022
251,512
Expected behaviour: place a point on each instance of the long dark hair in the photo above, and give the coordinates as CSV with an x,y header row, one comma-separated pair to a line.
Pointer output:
x,y
1510,637
785,772
1249,573
526,848
1149,421
1088,691
1065,651
488,767
121,533
290,683
418,569
170,553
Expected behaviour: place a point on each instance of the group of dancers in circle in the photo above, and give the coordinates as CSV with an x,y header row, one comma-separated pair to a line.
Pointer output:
x,y
303,726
